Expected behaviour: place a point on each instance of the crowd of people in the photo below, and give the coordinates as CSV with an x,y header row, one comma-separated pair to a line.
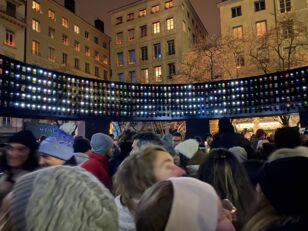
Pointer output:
x,y
147,182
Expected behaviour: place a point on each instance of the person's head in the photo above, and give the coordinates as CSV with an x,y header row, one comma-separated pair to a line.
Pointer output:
x,y
20,152
288,137
225,125
260,134
102,144
141,170
62,198
176,138
181,204
186,151
239,152
81,145
223,171
208,139
144,139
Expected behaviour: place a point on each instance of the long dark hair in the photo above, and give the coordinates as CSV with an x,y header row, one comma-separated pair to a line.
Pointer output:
x,y
225,173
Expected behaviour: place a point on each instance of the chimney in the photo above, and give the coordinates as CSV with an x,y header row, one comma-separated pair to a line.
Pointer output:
x,y
70,5
99,24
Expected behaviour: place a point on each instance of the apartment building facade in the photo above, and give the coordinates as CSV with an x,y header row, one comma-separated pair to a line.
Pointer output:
x,y
150,38
58,39
251,19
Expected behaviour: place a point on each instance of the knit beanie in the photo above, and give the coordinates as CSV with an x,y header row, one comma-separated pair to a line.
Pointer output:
x,y
59,145
101,143
283,183
62,198
26,138
239,152
188,148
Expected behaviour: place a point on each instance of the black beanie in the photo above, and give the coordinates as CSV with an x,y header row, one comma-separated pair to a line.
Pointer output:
x,y
26,138
283,182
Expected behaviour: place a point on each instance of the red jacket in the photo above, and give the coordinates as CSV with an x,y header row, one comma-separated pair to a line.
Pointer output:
x,y
98,166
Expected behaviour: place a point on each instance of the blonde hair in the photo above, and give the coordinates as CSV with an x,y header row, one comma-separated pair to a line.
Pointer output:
x,y
135,175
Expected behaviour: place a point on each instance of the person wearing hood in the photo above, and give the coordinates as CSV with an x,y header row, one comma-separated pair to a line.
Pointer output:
x,y
82,149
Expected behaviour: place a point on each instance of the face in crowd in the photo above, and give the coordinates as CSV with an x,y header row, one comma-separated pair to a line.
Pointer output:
x,y
17,155
176,140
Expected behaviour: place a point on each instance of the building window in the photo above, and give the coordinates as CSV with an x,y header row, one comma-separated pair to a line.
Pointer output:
x,y
287,28
51,54
119,20
104,45
142,13
65,22
285,6
259,5
87,51
169,4
119,38
157,51
145,75
236,11
133,76
96,40
76,29
65,39
36,6
157,71
155,9
51,15
171,69
184,26
120,59
156,27
77,63
171,47
51,33
131,35
239,60
64,58
36,25
237,32
105,75
121,77
87,68
10,9
35,48
143,31
130,16
96,71
144,53
96,55
261,28
86,34
10,38
105,60
77,46
131,57
170,24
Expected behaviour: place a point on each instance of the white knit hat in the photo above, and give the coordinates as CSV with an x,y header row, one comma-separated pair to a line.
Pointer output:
x,y
187,148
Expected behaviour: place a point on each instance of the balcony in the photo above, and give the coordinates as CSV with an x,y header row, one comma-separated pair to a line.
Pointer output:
x,y
12,16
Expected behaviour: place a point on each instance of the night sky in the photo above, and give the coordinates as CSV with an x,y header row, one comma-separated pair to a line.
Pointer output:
x,y
92,9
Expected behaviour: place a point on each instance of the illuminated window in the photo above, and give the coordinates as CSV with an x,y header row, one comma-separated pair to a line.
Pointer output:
x,y
120,59
170,24
36,25
51,33
169,4
119,38
77,46
76,29
65,39
145,75
35,47
131,57
142,13
156,27
51,15
36,6
105,60
285,6
10,38
97,58
237,32
65,22
155,9
131,35
236,11
157,71
130,16
51,54
261,28
143,31
87,51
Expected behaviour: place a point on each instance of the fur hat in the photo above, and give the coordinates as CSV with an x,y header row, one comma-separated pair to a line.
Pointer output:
x,y
188,148
62,198
283,183
101,143
25,138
